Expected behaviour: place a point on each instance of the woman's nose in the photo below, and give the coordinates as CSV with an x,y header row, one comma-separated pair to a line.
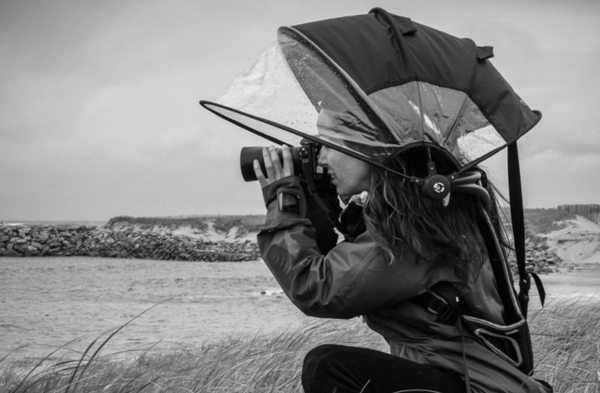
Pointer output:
x,y
322,161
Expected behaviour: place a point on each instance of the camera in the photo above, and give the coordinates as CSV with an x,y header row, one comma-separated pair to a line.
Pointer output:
x,y
305,158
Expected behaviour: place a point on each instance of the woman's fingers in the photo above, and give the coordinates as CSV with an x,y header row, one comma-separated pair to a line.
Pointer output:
x,y
268,164
288,161
273,165
259,174
276,163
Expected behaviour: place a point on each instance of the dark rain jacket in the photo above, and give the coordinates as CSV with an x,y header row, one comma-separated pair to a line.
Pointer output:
x,y
356,279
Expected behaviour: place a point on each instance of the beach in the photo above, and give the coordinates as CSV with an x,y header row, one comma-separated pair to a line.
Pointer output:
x,y
52,303
48,302
579,285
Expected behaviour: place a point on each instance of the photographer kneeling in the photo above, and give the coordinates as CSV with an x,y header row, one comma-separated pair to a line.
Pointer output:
x,y
403,113
409,244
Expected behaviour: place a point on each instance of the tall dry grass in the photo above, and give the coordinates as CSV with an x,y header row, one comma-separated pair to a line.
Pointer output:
x,y
566,341
565,337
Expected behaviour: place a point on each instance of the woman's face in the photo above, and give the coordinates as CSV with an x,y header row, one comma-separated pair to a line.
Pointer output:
x,y
349,175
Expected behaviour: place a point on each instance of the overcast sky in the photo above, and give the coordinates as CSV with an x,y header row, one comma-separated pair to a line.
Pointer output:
x,y
99,111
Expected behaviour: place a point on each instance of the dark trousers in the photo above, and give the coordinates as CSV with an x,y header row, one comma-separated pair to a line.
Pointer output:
x,y
341,369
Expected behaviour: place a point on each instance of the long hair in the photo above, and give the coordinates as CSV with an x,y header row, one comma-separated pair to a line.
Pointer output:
x,y
398,214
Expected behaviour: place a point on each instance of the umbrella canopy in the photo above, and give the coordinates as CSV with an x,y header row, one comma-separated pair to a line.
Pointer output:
x,y
374,85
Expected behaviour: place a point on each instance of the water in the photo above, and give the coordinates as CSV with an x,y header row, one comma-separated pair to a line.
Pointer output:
x,y
579,286
48,302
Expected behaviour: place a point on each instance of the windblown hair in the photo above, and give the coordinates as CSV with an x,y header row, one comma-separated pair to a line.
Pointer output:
x,y
398,214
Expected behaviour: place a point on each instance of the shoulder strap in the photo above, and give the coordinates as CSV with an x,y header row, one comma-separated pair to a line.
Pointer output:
x,y
518,225
441,300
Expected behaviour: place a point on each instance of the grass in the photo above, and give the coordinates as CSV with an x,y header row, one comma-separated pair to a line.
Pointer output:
x,y
242,364
545,220
222,223
250,223
566,339
538,221
150,222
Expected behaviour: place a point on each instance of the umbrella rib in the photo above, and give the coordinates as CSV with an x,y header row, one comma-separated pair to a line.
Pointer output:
x,y
421,112
456,120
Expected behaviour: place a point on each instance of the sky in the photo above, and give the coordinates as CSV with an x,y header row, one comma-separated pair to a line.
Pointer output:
x,y
99,113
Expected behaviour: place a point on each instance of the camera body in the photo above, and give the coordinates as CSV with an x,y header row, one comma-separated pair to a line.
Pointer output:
x,y
320,203
305,158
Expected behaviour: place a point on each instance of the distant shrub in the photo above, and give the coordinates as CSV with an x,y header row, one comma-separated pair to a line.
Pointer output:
x,y
221,223
538,221
244,224
545,220
150,222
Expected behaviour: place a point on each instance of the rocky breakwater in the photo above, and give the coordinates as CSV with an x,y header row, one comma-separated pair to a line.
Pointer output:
x,y
42,240
540,258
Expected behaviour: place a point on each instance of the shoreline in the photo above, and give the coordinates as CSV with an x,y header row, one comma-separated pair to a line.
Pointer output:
x,y
48,302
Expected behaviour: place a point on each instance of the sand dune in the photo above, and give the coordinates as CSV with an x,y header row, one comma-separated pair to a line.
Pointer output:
x,y
578,242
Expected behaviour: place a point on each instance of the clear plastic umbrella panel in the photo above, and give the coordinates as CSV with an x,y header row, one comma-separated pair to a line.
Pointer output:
x,y
373,85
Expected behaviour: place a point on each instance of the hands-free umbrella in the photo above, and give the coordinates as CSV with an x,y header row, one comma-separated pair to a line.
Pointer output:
x,y
375,85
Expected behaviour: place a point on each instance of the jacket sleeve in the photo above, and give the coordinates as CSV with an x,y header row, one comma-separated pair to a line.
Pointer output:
x,y
352,279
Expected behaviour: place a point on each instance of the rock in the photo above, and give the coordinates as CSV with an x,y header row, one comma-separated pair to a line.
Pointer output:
x,y
19,248
90,241
12,253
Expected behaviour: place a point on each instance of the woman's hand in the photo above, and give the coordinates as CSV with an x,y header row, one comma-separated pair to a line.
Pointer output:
x,y
275,170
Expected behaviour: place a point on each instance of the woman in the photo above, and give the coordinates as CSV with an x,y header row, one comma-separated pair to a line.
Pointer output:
x,y
410,243
403,100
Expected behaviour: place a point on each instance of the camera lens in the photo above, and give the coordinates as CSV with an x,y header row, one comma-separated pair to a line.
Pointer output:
x,y
247,157
251,153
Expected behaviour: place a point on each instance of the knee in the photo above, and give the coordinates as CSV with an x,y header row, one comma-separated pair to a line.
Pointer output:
x,y
319,367
320,357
